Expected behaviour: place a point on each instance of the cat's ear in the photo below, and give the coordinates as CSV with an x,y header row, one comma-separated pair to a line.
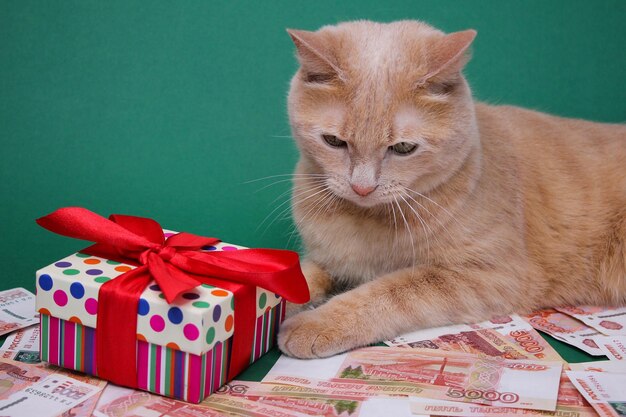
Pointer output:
x,y
449,54
315,56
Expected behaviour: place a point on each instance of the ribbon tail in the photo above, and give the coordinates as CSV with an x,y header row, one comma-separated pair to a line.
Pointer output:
x,y
171,280
116,344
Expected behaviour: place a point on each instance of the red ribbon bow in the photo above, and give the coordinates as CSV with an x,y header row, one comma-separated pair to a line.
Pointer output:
x,y
177,265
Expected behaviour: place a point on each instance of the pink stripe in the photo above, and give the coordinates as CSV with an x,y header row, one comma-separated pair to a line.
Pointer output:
x,y
217,369
54,341
259,337
69,343
193,383
142,364
157,371
208,372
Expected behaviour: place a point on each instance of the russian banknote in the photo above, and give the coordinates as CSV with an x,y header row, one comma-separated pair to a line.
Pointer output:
x,y
22,345
609,321
17,310
569,404
599,366
30,390
614,347
605,391
566,329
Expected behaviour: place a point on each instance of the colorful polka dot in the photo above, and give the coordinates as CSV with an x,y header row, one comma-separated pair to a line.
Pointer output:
x,y
217,313
219,293
208,286
92,261
228,325
63,264
82,255
44,311
93,272
60,298
229,248
77,290
70,271
110,262
45,282
262,300
209,248
157,323
191,296
191,332
168,234
232,303
201,304
102,279
155,287
175,315
75,319
141,337
210,335
162,296
144,307
123,268
277,296
91,306
173,346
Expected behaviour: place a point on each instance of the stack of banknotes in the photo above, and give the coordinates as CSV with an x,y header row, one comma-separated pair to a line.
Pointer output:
x,y
500,368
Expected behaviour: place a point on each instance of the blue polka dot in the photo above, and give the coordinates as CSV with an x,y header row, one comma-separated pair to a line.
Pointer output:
x,y
191,296
144,307
45,282
217,313
63,264
155,287
175,315
209,248
77,290
94,272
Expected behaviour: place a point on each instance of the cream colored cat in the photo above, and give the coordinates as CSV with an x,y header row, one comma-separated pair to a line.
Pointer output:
x,y
430,208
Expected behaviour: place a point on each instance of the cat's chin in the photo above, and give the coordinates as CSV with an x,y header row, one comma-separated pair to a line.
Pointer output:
x,y
365,202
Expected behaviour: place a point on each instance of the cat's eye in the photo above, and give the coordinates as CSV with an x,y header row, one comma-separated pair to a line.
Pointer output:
x,y
334,141
315,78
403,148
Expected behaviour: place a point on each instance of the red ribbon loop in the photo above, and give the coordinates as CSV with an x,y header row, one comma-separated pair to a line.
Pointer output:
x,y
177,265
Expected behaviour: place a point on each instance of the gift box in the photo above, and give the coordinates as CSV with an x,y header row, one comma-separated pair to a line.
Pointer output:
x,y
183,347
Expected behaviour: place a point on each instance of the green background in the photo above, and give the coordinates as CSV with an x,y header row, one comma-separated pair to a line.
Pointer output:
x,y
168,109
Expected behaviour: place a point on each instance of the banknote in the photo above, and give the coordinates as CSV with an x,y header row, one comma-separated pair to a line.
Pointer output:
x,y
566,329
30,390
22,345
569,403
242,407
508,336
614,347
17,310
609,321
605,391
599,366
329,402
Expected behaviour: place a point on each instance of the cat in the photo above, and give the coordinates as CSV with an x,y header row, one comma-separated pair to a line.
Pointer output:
x,y
419,207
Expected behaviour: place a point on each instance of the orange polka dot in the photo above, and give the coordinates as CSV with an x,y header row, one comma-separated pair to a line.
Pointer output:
x,y
219,293
44,311
141,337
268,309
75,319
172,345
229,323
92,261
123,268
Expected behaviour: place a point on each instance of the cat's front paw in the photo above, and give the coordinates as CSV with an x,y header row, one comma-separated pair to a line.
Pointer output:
x,y
309,335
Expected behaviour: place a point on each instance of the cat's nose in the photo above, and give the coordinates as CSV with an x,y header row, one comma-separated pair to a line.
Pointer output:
x,y
363,190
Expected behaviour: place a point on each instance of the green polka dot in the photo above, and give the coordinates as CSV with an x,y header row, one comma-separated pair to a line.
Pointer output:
x,y
162,296
208,286
201,304
110,262
82,255
232,303
71,271
210,335
102,279
262,300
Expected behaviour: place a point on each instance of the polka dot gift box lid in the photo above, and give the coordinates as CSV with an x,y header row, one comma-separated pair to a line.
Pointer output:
x,y
194,322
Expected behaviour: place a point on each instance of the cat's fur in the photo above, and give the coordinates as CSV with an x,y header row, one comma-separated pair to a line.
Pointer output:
x,y
504,210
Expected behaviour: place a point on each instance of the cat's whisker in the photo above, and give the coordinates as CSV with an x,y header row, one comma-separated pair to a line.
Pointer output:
x,y
424,227
445,210
443,226
321,202
282,215
301,192
286,175
408,230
